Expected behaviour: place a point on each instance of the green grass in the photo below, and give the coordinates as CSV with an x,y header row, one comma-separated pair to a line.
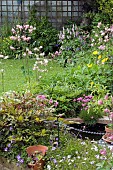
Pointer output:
x,y
14,78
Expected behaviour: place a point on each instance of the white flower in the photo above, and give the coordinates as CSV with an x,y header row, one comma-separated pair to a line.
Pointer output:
x,y
1,56
42,54
36,49
46,61
83,143
69,156
40,47
48,167
92,162
85,159
2,70
6,57
97,156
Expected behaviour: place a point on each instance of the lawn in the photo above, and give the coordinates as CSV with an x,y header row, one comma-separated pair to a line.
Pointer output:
x,y
14,78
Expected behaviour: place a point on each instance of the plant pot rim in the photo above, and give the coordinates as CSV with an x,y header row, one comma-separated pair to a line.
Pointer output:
x,y
109,127
106,140
31,149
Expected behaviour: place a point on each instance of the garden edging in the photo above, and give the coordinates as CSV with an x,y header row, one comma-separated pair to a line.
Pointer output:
x,y
104,120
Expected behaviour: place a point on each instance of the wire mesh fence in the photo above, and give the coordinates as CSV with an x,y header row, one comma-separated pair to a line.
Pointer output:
x,y
58,12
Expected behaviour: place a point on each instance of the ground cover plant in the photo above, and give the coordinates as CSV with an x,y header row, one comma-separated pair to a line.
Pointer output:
x,y
79,154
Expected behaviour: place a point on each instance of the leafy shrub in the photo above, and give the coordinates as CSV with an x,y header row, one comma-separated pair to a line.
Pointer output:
x,y
19,41
73,40
45,34
106,8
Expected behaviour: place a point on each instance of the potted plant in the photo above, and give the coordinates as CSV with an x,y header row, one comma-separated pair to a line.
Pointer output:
x,y
108,137
36,156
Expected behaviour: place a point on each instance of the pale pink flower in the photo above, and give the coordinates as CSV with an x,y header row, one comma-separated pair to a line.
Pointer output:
x,y
56,53
30,52
31,27
19,27
13,37
42,97
13,30
56,104
30,30
106,110
111,137
28,38
111,28
106,97
26,27
102,47
100,102
103,151
50,101
99,24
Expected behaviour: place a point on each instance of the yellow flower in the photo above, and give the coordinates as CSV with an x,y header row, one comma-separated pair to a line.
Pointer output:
x,y
92,83
89,65
95,52
104,60
99,57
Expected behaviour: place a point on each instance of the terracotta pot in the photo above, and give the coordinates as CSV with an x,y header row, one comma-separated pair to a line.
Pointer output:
x,y
106,139
108,130
38,165
32,149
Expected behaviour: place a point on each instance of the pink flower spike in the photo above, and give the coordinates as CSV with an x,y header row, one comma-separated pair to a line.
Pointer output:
x,y
103,151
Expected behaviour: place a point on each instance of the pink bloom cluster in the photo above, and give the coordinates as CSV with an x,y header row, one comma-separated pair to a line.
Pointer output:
x,y
21,33
102,36
84,101
43,101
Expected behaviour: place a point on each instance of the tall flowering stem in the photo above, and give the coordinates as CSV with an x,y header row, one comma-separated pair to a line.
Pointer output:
x,y
2,75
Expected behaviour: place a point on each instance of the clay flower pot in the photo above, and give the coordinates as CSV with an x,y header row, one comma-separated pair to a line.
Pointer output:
x,y
31,151
39,165
108,130
108,138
